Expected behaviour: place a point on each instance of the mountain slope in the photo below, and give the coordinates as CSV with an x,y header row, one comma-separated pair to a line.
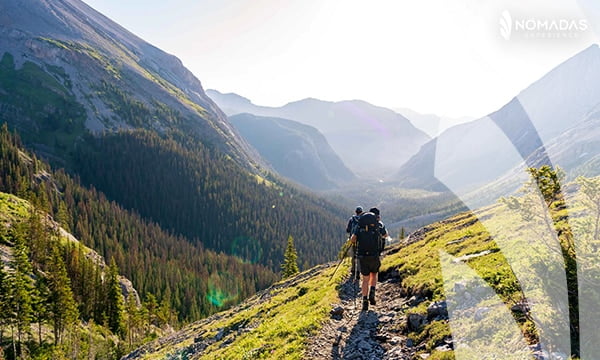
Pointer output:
x,y
460,156
89,96
183,276
400,325
296,151
482,276
355,130
199,193
111,78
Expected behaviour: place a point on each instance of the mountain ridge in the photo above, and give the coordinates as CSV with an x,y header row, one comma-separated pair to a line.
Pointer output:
x,y
297,151
542,111
349,126
69,34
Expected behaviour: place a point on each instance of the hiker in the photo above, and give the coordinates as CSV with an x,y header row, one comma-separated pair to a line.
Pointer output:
x,y
382,230
352,224
369,238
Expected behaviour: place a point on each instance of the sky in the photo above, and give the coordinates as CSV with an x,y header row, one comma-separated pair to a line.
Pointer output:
x,y
450,58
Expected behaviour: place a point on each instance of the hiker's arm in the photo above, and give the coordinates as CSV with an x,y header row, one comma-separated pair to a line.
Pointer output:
x,y
353,239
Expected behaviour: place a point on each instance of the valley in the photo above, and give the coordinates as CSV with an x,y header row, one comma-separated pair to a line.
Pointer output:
x,y
144,217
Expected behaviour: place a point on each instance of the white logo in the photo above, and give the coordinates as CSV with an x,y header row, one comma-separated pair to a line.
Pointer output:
x,y
506,25
541,27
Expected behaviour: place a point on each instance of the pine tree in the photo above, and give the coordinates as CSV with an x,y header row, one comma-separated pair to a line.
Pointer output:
x,y
290,259
61,305
39,305
114,300
20,288
151,305
134,319
402,234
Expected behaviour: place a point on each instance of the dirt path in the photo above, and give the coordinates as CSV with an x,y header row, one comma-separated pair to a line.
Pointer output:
x,y
375,334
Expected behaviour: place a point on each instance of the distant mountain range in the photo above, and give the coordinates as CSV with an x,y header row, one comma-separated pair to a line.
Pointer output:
x,y
431,124
550,122
372,141
296,151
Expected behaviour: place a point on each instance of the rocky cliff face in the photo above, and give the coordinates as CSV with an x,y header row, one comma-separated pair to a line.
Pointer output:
x,y
119,79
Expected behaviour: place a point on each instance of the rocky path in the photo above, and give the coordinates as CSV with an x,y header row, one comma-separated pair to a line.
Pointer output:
x,y
374,334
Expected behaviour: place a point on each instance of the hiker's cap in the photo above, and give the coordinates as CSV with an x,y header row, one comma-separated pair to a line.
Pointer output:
x,y
359,209
374,211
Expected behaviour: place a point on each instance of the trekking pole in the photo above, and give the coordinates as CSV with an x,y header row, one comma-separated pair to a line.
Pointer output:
x,y
340,262
355,275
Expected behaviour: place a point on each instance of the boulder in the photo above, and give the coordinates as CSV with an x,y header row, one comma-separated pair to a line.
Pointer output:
x,y
415,321
437,310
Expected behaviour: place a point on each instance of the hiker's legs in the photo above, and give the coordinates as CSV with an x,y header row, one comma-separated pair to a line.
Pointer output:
x,y
373,279
365,285
368,281
369,267
365,291
372,284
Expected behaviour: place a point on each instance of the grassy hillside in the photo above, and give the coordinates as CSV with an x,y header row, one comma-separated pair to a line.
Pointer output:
x,y
274,324
491,264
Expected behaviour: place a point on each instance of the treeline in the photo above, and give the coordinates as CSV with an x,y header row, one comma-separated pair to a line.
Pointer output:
x,y
58,302
192,281
195,191
36,293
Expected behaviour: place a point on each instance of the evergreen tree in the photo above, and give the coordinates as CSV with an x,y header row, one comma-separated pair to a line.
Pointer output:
x,y
39,305
402,233
61,305
290,259
151,257
114,300
134,319
151,305
20,288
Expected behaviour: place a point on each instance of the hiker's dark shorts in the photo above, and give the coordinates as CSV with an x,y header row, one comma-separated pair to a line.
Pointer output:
x,y
369,264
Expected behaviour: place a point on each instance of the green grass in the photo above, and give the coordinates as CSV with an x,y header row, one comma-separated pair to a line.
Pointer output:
x,y
459,236
421,274
277,328
281,326
12,209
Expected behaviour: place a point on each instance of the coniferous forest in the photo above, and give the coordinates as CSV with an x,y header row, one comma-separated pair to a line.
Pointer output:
x,y
178,281
199,193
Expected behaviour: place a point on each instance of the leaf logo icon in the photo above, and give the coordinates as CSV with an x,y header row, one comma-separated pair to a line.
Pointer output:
x,y
506,25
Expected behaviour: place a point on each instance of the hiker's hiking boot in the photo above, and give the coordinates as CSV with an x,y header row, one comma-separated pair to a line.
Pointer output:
x,y
372,296
365,304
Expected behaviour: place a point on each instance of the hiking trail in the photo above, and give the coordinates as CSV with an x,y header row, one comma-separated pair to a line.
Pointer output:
x,y
374,334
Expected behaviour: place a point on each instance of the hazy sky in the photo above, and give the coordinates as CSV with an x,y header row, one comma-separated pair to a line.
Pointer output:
x,y
433,56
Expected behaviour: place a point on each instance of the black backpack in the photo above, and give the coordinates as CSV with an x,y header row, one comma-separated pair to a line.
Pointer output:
x,y
367,219
368,242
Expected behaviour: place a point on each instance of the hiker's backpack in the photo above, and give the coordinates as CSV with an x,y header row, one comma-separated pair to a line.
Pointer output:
x,y
352,224
368,242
